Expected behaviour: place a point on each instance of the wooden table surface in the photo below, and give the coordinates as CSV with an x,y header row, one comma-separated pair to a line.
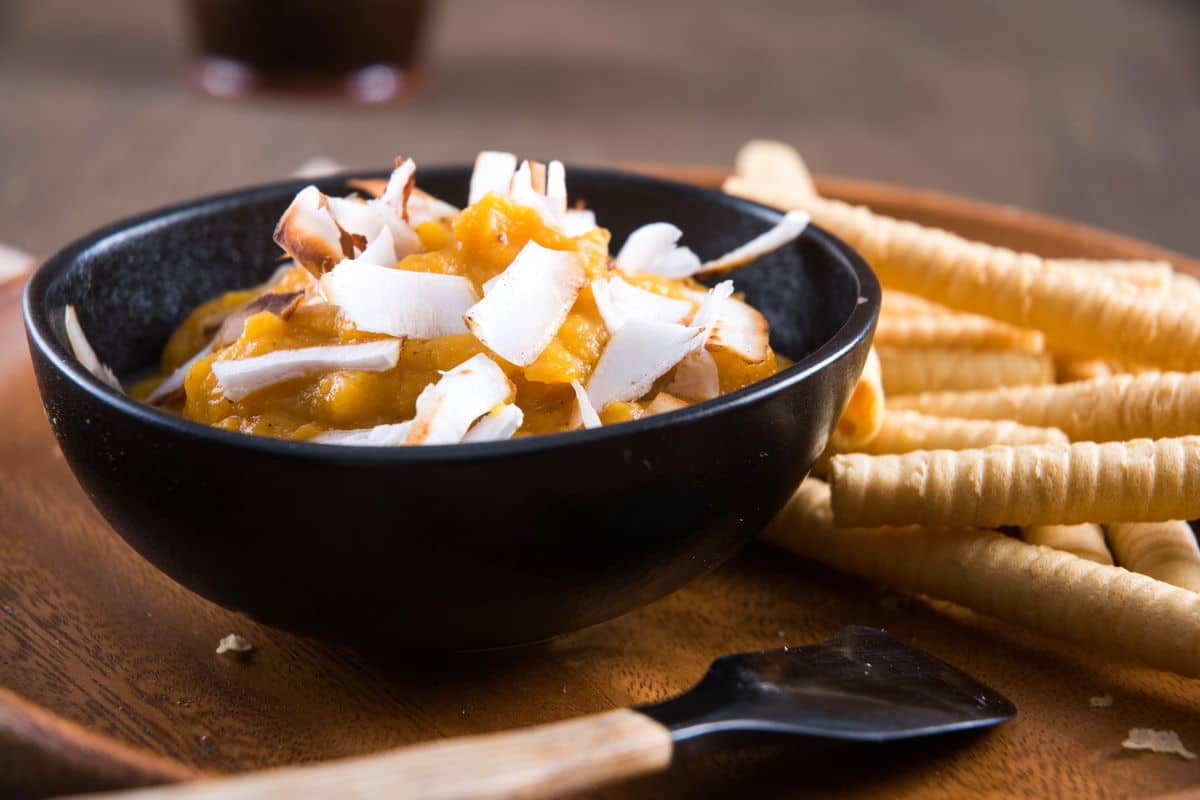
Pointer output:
x,y
1088,109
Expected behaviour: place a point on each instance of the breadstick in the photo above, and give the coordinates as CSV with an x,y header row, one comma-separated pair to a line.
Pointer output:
x,y
896,303
1069,369
1085,540
1154,405
955,330
1056,593
1033,484
905,431
1152,275
1071,307
1163,550
863,415
918,369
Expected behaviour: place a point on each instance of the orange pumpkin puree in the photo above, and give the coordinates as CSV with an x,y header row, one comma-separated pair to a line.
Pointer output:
x,y
479,244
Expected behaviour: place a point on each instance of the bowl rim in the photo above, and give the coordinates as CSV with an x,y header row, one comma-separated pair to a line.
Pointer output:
x,y
43,337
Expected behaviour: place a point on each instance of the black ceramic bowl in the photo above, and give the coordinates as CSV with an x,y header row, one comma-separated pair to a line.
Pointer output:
x,y
463,546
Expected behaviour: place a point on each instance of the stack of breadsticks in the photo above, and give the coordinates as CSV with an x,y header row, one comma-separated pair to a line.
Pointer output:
x,y
1057,398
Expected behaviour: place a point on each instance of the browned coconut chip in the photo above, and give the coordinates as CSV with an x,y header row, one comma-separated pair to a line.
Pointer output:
x,y
281,304
241,377
382,299
493,173
696,377
84,353
664,402
738,328
527,303
308,232
446,409
388,211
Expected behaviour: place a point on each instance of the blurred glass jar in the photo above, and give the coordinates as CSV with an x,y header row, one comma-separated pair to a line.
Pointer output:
x,y
364,50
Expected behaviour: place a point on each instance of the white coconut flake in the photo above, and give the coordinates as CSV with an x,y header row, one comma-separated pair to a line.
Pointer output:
x,y
493,173
638,354
1167,742
583,407
647,245
239,378
618,302
173,383
742,330
556,183
398,302
578,221
527,190
785,231
527,304
696,377
308,232
84,353
399,186
13,263
368,219
496,426
446,409
389,435
681,262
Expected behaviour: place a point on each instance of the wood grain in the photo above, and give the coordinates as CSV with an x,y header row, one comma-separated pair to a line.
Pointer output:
x,y
544,761
91,632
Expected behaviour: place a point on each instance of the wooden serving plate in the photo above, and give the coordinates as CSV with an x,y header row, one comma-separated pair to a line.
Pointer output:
x,y
110,676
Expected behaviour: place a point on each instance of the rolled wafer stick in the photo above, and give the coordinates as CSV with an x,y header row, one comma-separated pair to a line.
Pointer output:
x,y
1166,551
863,415
897,303
1073,308
905,431
1085,540
1153,405
955,330
1034,484
1068,598
1069,369
912,370
1153,275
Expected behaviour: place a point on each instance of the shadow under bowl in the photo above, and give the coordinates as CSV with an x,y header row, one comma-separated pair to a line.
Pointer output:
x,y
452,547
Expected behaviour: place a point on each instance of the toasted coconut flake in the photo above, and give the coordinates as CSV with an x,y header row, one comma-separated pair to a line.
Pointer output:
x,y
529,188
696,378
424,207
399,302
446,409
583,408
619,302
1167,742
647,246
390,435
664,402
239,378
711,306
309,233
371,187
399,187
233,644
637,355
84,353
493,173
578,221
497,426
522,311
785,231
741,329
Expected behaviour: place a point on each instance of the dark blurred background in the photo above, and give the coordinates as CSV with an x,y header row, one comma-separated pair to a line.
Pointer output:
x,y
1089,109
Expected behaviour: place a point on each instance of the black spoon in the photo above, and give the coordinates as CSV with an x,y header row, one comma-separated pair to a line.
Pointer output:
x,y
862,685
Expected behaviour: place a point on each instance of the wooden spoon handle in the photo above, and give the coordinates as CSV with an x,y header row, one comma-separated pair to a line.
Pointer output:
x,y
539,762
